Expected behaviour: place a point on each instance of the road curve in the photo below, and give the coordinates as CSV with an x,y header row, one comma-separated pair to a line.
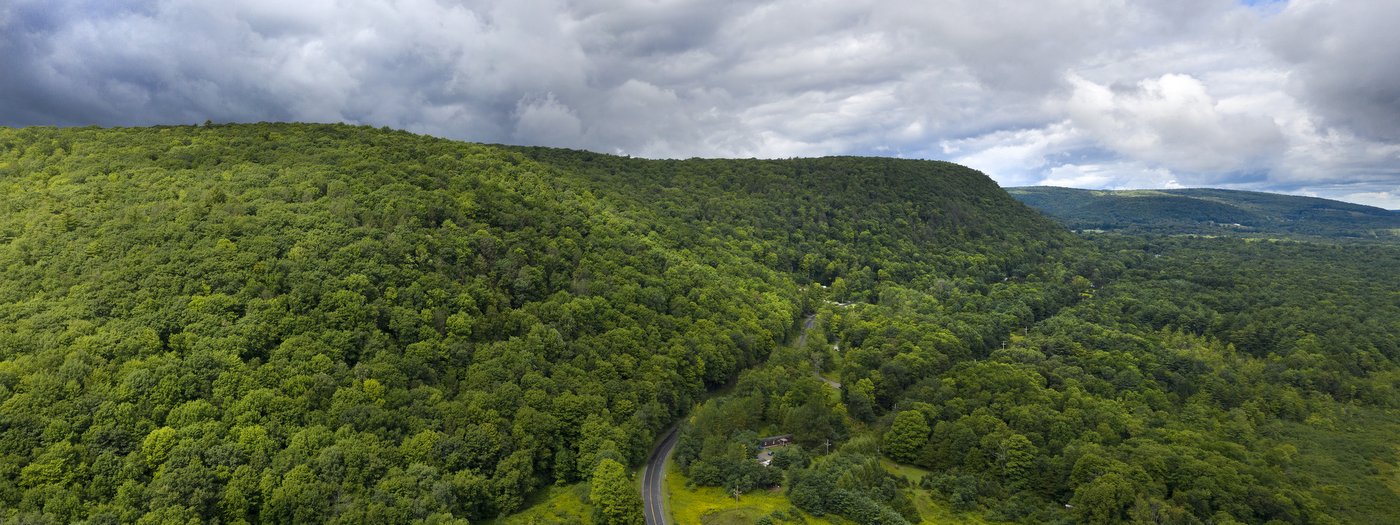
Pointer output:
x,y
653,504
654,476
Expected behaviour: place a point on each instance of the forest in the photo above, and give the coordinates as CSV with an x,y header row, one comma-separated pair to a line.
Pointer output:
x,y
1209,211
295,323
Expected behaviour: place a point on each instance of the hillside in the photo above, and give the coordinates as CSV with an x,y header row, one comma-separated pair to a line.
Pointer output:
x,y
305,323
1209,211
824,218
1213,380
285,323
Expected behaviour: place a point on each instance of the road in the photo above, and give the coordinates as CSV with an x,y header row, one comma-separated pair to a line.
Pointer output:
x,y
802,342
806,325
653,478
830,383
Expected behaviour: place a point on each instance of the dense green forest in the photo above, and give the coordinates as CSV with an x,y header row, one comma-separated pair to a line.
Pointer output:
x,y
283,323
1211,211
304,323
1211,381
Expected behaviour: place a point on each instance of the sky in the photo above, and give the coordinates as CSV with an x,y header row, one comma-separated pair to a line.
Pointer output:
x,y
1298,96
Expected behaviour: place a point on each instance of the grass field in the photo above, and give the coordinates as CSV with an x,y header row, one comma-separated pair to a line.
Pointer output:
x,y
711,506
931,509
909,472
555,504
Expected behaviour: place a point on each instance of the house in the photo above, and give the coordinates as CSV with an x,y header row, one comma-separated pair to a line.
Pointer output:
x,y
775,441
766,446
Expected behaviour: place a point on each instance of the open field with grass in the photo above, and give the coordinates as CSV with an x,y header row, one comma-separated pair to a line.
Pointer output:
x,y
712,506
555,504
930,508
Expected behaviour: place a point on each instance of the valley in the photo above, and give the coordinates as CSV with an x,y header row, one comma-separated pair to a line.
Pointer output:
x,y
295,323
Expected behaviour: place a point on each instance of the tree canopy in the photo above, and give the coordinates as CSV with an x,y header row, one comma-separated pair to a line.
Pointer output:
x,y
281,323
303,323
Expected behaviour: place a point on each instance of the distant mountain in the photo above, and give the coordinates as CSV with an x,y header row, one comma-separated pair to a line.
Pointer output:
x,y
1209,211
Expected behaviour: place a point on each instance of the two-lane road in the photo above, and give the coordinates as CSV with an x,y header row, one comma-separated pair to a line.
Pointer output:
x,y
653,506
654,476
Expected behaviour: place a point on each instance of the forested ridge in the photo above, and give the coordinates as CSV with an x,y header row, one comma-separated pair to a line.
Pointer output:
x,y
280,323
1210,211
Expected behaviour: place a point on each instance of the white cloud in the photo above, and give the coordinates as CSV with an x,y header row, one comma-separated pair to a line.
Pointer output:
x,y
1015,157
1389,200
1172,121
1200,92
1119,176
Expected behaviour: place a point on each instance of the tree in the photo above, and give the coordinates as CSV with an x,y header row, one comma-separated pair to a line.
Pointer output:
x,y
300,498
1104,500
615,498
860,399
907,434
813,424
1017,459
157,445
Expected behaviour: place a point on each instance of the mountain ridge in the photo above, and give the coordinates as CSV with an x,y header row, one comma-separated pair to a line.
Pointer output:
x,y
1209,211
283,323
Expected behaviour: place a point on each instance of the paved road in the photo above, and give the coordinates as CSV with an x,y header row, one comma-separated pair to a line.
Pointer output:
x,y
806,325
653,505
801,343
654,477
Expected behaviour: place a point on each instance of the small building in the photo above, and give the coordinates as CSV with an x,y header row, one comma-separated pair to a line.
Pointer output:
x,y
775,441
766,446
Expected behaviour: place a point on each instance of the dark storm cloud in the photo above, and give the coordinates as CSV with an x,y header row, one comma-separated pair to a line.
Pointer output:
x,y
1076,92
1343,55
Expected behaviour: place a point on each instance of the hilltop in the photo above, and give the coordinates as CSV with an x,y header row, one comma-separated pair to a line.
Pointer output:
x,y
1210,211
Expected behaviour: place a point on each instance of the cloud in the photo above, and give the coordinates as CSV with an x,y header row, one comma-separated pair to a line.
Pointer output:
x,y
1116,176
1342,55
1200,92
1389,200
1017,156
547,122
1173,122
